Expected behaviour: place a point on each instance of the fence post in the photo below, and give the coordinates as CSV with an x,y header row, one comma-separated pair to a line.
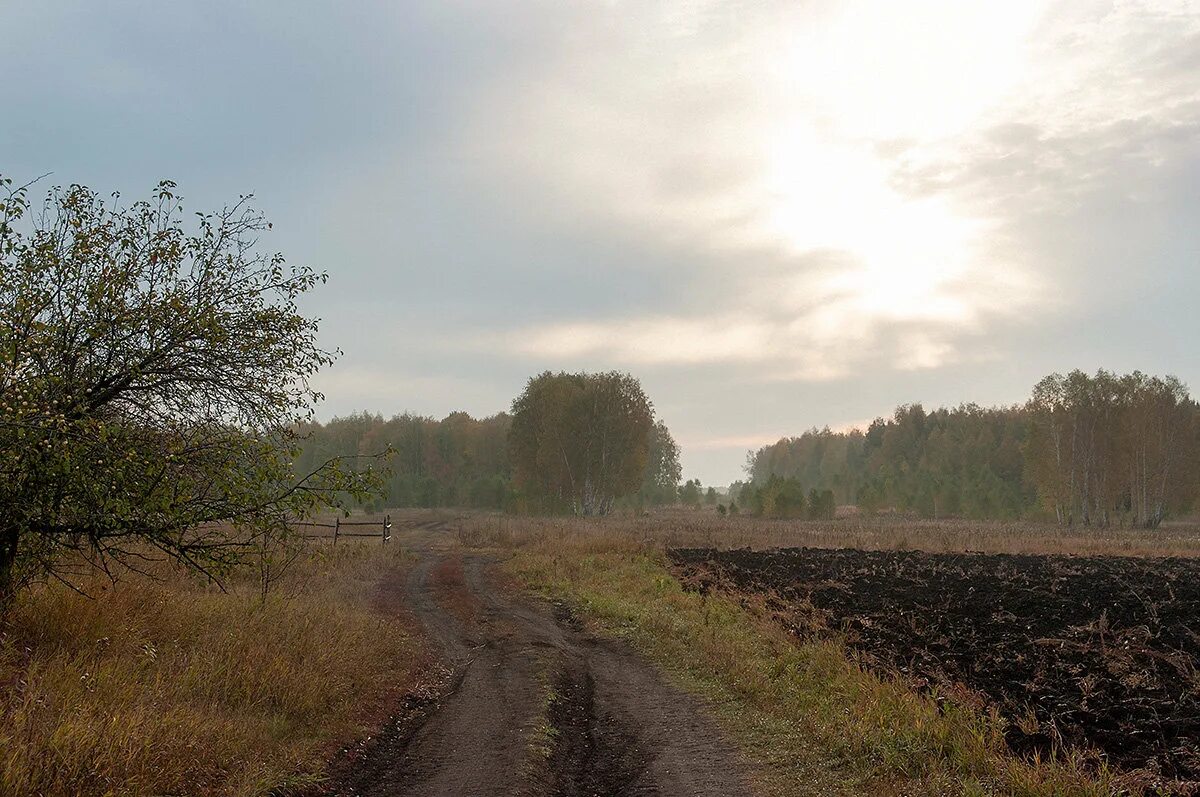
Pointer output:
x,y
387,528
337,525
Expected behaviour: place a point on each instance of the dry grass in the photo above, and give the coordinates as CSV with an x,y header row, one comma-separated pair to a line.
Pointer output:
x,y
688,528
815,721
175,688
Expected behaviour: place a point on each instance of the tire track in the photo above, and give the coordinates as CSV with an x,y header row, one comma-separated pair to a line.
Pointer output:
x,y
535,706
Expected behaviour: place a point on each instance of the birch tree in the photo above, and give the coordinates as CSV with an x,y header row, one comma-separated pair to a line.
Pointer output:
x,y
1105,447
580,441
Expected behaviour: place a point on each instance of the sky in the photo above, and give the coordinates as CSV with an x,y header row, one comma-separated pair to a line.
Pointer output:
x,y
778,215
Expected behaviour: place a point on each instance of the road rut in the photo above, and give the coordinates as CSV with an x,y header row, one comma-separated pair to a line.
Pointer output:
x,y
534,705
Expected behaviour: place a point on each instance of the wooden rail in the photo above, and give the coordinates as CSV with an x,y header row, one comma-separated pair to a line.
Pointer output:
x,y
385,529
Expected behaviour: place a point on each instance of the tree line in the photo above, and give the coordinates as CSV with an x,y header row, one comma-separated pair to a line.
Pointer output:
x,y
1114,447
574,443
1084,449
456,461
155,395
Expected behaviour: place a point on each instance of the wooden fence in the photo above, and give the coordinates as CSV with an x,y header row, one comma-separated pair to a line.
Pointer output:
x,y
338,526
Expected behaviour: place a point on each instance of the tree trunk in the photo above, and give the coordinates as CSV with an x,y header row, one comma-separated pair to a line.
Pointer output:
x,y
9,537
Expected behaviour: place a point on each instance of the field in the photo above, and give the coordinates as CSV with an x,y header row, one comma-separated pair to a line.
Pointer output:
x,y
684,528
1088,651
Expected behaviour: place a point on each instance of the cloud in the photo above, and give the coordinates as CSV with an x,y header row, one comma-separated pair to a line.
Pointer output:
x,y
740,442
869,190
392,391
729,140
648,341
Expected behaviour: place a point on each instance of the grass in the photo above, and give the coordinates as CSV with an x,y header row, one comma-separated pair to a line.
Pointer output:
x,y
173,687
704,528
810,717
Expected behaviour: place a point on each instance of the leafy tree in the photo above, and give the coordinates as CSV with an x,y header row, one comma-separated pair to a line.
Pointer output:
x,y
689,494
152,378
821,504
660,484
1113,447
787,498
710,496
751,498
778,498
457,461
580,441
735,488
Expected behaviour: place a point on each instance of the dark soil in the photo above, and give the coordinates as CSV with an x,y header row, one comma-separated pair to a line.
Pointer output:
x,y
1103,651
592,754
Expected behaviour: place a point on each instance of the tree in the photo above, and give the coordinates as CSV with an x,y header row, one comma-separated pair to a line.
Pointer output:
x,y
710,496
459,460
821,505
690,494
660,484
152,379
1107,447
580,441
787,498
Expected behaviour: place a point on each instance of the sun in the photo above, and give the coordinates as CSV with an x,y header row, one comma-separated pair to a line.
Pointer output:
x,y
859,90
902,252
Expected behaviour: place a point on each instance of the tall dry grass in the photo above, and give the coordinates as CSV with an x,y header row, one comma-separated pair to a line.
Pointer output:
x,y
172,687
704,528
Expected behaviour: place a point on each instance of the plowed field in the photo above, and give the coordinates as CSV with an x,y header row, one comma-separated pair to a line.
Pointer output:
x,y
1096,653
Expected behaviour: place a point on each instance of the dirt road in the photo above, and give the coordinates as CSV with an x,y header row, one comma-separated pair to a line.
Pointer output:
x,y
534,705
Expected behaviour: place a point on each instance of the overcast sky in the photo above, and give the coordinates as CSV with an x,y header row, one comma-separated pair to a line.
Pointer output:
x,y
777,215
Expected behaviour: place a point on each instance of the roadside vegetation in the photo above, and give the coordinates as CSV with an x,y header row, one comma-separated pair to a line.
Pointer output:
x,y
170,686
807,710
154,373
